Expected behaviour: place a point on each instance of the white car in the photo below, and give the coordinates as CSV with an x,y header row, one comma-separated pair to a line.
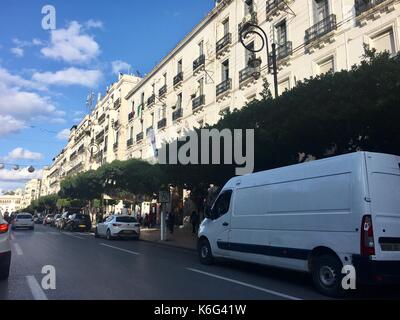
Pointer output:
x,y
23,220
118,226
5,249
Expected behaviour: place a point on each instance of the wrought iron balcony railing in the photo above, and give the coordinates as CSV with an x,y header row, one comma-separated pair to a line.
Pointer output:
x,y
162,91
117,103
102,118
129,142
198,102
162,123
321,28
178,78
100,136
362,6
200,61
177,114
224,86
273,6
139,137
284,50
223,42
252,18
248,73
151,100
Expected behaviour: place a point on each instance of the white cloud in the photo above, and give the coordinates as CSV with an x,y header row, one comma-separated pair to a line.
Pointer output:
x,y
19,52
94,24
120,66
22,175
63,134
37,42
10,125
19,105
71,45
70,76
23,154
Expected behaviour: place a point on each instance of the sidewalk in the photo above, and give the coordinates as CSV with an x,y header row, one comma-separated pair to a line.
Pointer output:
x,y
182,237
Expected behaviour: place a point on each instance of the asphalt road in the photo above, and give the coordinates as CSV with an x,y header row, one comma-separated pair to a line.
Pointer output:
x,y
90,268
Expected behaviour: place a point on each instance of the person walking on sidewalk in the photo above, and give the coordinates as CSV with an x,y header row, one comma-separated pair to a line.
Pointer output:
x,y
194,219
171,222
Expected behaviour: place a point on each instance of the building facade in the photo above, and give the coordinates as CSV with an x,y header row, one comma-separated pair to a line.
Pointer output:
x,y
207,73
10,203
31,192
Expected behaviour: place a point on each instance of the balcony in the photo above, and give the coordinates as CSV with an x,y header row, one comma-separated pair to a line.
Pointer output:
x,y
139,137
129,142
250,18
247,76
162,123
178,79
115,146
199,63
224,87
151,100
177,114
372,9
102,118
320,31
131,115
163,90
100,136
117,103
81,149
116,124
222,45
274,8
284,50
198,102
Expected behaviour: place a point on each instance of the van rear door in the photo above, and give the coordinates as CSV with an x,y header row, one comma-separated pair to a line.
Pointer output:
x,y
384,186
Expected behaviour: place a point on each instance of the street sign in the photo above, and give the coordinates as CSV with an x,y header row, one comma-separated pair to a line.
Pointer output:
x,y
163,197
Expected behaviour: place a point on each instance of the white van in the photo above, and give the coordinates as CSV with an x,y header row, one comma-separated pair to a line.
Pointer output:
x,y
313,217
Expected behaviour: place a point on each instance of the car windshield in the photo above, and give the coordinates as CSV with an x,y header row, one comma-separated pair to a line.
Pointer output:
x,y
24,216
126,219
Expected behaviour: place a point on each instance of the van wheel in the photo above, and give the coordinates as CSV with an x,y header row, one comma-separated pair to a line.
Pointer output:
x,y
204,251
327,275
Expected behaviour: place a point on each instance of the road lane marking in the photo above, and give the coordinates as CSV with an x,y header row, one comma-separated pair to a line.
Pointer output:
x,y
282,295
18,249
36,289
72,235
124,250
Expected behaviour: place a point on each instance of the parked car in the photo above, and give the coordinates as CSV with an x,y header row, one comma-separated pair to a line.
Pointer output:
x,y
23,220
61,222
78,222
118,226
48,219
313,217
38,219
5,249
55,219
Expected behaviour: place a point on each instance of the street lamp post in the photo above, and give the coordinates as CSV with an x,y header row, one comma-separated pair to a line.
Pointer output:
x,y
254,62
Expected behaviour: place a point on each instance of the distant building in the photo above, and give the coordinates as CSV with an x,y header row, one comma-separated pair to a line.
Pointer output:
x,y
10,203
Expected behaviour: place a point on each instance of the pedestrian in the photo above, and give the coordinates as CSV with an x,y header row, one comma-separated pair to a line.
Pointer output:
x,y
146,220
171,222
194,219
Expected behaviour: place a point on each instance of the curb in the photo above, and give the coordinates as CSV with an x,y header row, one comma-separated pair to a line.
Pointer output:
x,y
168,245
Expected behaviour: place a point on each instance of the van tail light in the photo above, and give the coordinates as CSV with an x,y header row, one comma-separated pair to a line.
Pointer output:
x,y
117,224
3,227
367,237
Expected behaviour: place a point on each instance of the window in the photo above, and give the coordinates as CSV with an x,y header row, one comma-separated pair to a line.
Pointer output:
x,y
179,66
142,98
321,10
248,53
201,48
326,66
126,219
225,70
153,90
283,85
179,101
248,8
384,41
281,34
165,78
221,206
130,132
225,25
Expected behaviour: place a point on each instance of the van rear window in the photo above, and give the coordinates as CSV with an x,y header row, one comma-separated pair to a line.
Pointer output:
x,y
24,216
126,219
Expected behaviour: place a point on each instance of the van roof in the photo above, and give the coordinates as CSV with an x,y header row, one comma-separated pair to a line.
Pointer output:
x,y
297,170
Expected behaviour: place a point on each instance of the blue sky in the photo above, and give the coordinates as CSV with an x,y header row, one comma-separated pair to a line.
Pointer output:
x,y
46,75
